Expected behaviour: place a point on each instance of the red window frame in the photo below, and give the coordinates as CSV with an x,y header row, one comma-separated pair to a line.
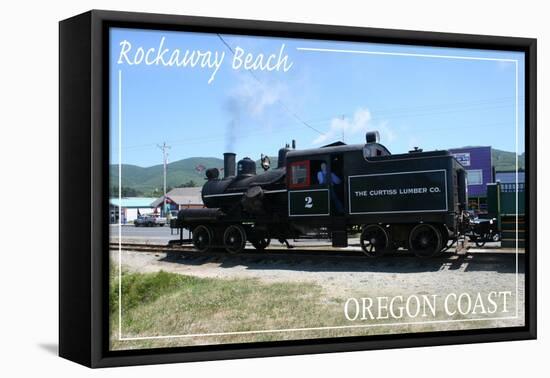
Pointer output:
x,y
289,174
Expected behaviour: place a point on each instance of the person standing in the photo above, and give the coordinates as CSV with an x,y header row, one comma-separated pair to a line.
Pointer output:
x,y
324,178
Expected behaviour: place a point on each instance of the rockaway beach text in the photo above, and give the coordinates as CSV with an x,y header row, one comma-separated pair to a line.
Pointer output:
x,y
163,56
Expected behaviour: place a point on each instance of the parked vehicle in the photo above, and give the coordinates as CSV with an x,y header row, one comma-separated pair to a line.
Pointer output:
x,y
149,220
484,230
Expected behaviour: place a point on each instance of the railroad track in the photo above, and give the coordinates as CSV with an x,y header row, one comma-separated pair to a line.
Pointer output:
x,y
188,250
175,251
139,247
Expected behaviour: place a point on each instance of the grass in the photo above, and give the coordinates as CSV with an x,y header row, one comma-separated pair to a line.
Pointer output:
x,y
164,303
172,304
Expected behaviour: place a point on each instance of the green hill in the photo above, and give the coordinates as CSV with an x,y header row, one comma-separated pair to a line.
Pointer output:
x,y
506,160
149,179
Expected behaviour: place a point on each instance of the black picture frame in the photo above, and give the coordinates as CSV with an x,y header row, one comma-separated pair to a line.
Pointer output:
x,y
83,181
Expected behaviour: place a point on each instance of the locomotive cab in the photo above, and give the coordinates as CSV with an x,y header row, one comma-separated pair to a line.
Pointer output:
x,y
317,178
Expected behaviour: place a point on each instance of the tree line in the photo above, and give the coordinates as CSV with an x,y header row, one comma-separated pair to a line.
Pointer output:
x,y
127,191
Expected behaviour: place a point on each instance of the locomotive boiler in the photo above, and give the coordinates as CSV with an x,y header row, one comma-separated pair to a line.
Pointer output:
x,y
414,201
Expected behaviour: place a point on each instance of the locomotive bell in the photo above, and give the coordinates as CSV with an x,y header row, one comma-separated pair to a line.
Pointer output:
x,y
212,173
246,167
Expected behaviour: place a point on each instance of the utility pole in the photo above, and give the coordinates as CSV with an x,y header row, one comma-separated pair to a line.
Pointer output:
x,y
164,149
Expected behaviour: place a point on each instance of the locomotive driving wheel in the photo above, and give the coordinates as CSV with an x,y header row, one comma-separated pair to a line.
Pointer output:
x,y
202,238
234,238
425,240
260,240
374,240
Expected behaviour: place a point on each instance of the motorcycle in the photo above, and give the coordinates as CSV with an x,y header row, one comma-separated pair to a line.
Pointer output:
x,y
484,231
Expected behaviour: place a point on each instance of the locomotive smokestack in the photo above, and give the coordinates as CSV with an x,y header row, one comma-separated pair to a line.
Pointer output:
x,y
293,144
228,164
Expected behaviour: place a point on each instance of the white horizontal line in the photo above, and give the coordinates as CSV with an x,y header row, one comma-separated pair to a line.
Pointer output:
x,y
241,193
275,191
223,195
399,211
307,190
308,215
366,52
313,329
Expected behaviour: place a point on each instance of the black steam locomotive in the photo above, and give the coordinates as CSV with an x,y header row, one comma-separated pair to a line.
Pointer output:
x,y
415,201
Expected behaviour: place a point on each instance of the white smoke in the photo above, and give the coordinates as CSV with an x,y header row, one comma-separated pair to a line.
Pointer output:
x,y
249,100
352,128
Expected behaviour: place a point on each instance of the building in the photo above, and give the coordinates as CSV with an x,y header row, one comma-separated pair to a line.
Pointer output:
x,y
180,198
130,208
509,177
506,201
478,163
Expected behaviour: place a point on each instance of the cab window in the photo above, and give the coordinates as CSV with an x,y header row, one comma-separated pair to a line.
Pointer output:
x,y
299,174
304,173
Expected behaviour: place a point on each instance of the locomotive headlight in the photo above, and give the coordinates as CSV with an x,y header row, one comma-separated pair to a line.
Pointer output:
x,y
265,162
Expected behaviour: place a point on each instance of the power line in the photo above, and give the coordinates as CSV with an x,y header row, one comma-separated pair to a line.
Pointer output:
x,y
282,104
380,114
390,116
422,108
208,140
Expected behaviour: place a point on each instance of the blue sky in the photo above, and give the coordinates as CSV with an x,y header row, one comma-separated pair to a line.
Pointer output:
x,y
430,102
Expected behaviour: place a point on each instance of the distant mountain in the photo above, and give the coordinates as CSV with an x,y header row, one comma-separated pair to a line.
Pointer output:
x,y
149,179
506,160
178,173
